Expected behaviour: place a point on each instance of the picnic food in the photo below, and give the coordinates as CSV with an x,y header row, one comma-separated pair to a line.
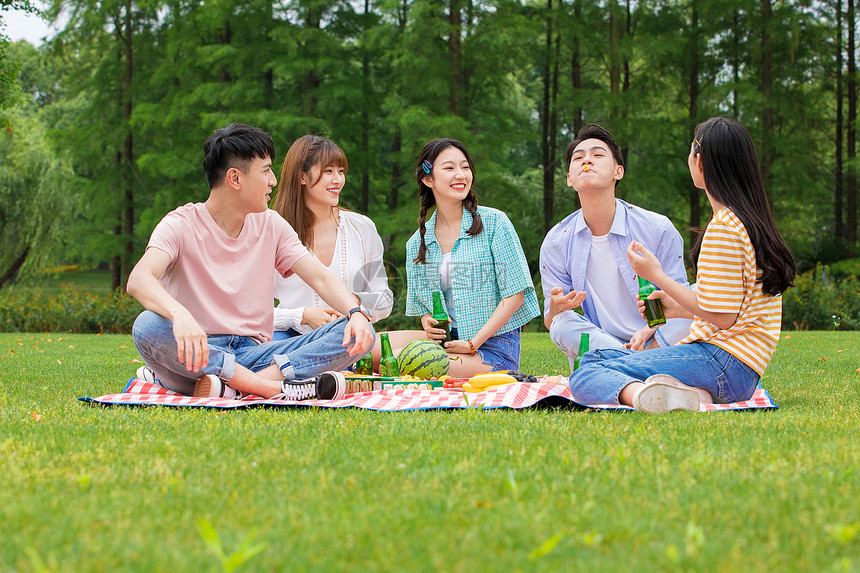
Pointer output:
x,y
490,379
423,359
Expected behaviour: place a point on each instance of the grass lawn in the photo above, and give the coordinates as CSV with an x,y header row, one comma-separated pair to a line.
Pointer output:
x,y
89,488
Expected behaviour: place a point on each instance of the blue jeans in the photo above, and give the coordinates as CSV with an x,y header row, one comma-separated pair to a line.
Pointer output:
x,y
567,326
298,357
602,374
501,352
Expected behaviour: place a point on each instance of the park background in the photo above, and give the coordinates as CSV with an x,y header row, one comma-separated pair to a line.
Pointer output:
x,y
102,124
102,132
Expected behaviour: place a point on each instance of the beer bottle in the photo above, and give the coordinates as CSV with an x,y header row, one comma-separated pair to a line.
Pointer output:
x,y
653,308
364,366
583,348
388,363
442,320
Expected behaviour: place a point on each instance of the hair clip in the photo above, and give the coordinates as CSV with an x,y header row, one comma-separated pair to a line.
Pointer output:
x,y
697,143
427,166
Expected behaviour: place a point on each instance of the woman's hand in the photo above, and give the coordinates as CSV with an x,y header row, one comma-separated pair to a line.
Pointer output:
x,y
671,308
428,324
643,262
458,347
317,317
637,342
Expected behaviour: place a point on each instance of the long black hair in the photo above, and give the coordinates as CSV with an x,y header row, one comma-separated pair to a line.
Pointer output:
x,y
425,195
732,177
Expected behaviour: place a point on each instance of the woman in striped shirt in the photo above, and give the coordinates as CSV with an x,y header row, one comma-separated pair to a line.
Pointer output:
x,y
743,267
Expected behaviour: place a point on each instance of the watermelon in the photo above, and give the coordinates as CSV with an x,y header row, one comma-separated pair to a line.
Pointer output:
x,y
423,359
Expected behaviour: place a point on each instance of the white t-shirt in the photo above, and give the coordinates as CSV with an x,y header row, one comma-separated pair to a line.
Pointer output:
x,y
357,261
616,309
224,281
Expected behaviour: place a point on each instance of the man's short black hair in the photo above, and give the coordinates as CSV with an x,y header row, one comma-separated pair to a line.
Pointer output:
x,y
234,146
594,131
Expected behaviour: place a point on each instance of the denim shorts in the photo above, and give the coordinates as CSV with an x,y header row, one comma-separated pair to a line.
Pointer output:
x,y
501,352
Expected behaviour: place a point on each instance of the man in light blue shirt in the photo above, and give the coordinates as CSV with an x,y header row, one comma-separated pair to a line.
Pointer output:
x,y
583,259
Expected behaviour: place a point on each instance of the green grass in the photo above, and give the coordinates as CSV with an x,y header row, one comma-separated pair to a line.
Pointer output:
x,y
90,488
91,280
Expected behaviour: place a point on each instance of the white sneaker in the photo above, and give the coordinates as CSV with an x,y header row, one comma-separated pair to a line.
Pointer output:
x,y
325,386
210,386
146,374
663,393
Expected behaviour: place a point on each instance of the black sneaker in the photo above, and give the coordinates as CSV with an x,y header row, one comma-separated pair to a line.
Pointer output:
x,y
326,386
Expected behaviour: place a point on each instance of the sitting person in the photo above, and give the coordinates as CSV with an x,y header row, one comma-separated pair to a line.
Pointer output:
x,y
743,267
205,281
472,255
582,259
346,243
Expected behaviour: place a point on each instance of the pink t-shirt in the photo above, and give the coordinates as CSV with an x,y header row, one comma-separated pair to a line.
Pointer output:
x,y
226,283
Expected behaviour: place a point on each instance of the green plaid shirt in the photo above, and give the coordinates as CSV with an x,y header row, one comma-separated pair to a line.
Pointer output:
x,y
484,269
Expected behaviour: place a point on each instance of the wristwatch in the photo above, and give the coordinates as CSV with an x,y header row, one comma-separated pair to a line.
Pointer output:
x,y
360,309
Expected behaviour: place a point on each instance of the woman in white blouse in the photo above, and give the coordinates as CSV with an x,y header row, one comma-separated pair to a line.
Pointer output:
x,y
345,242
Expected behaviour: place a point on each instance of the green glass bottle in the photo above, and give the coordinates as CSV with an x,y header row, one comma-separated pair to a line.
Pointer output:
x,y
388,363
364,366
439,315
583,348
653,308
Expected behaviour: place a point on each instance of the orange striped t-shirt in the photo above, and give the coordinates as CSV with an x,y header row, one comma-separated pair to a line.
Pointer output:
x,y
726,282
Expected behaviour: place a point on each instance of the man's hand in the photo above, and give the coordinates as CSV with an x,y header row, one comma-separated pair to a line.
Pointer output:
x,y
191,342
358,327
637,342
559,302
428,324
317,317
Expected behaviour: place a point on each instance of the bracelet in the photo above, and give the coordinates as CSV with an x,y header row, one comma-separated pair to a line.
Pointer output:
x,y
471,347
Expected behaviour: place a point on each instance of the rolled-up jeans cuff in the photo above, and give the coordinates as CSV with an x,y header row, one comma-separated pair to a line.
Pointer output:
x,y
661,340
228,368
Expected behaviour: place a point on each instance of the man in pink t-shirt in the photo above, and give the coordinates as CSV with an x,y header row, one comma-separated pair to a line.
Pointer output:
x,y
206,282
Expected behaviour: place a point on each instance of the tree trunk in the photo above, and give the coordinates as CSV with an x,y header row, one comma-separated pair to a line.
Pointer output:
x,y
838,228
766,162
455,55
128,203
14,268
693,115
576,73
364,201
851,152
546,112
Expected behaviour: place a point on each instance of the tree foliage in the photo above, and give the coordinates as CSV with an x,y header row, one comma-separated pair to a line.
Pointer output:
x,y
138,85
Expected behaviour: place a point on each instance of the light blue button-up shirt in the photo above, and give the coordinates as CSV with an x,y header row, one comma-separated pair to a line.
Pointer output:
x,y
565,250
484,269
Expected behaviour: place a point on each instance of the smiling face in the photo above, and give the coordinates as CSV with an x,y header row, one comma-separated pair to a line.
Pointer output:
x,y
323,185
451,177
593,167
256,184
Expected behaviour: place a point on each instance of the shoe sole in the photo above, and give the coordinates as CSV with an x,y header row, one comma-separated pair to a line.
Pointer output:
x,y
331,386
660,397
203,387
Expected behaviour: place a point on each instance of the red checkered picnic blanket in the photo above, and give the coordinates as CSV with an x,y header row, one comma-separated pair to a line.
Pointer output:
x,y
516,396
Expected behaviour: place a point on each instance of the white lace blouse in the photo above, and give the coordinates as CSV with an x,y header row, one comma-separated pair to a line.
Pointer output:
x,y
357,261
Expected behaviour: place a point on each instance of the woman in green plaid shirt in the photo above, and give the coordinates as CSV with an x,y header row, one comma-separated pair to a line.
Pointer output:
x,y
472,255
